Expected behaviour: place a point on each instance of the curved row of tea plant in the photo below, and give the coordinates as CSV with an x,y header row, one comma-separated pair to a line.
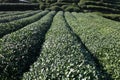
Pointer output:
x,y
62,56
102,38
19,50
2,12
16,17
7,12
6,28
14,13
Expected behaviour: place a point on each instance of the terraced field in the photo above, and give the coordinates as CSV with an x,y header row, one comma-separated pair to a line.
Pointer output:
x,y
49,45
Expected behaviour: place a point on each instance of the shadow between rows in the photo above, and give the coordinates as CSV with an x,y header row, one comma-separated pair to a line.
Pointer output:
x,y
90,57
30,58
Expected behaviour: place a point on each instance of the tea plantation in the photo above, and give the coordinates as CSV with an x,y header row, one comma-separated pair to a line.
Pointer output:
x,y
50,45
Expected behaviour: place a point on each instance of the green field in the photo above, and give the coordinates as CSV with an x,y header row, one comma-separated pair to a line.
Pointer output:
x,y
50,45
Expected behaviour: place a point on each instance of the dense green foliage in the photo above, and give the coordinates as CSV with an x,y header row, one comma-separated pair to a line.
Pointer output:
x,y
115,17
101,36
57,5
16,17
63,57
107,7
56,8
77,46
20,49
72,8
13,13
9,27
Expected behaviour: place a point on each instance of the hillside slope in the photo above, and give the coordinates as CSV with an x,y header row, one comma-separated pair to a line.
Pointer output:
x,y
59,45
